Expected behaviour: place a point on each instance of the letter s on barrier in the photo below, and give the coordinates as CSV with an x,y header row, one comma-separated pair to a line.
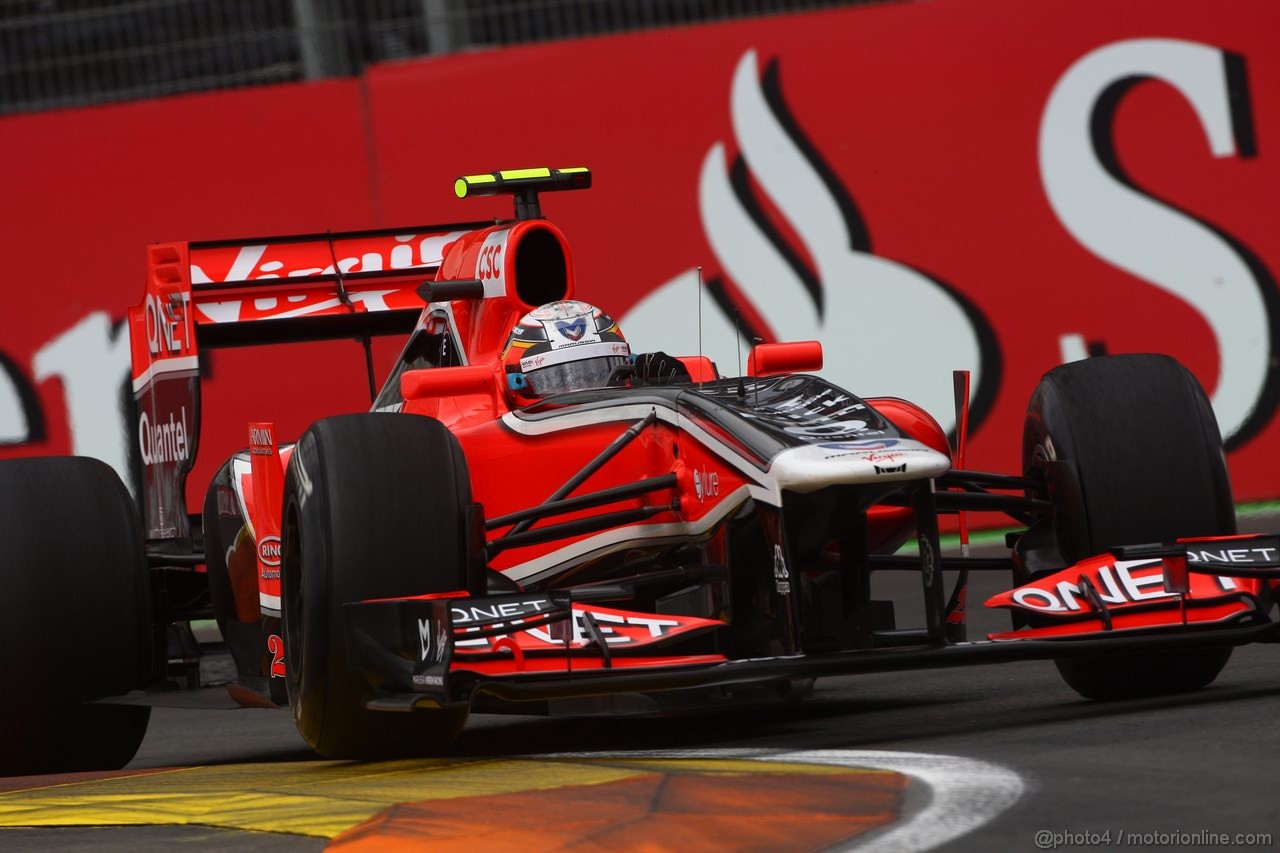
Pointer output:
x,y
1101,208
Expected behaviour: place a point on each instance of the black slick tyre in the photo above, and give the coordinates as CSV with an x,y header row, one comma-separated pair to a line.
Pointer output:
x,y
376,506
74,617
1130,452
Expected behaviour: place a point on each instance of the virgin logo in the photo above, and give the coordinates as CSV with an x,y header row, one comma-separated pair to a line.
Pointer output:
x,y
269,550
259,262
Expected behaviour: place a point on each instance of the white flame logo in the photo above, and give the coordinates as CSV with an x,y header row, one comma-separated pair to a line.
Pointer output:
x,y
15,423
885,328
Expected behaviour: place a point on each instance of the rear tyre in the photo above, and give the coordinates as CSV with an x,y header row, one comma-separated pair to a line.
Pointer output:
x,y
376,506
1130,452
74,617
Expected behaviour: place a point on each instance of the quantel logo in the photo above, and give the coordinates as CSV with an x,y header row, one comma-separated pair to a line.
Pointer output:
x,y
163,442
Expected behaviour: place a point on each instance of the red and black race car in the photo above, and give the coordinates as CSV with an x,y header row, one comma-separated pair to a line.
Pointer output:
x,y
532,519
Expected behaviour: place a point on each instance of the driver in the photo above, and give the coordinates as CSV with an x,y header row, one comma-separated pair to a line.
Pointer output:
x,y
572,346
563,346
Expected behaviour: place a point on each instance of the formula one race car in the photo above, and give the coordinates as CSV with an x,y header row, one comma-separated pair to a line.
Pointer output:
x,y
534,519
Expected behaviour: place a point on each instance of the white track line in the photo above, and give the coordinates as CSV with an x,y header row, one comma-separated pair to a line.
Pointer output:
x,y
964,793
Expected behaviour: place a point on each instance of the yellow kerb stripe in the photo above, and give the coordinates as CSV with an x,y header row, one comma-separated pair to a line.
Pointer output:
x,y
575,169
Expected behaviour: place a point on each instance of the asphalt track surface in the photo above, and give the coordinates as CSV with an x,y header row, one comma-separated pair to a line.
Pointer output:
x,y
1197,763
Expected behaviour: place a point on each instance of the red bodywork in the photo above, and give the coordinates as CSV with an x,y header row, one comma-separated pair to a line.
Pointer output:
x,y
358,285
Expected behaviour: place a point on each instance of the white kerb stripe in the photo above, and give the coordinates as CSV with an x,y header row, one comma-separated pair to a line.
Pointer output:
x,y
964,793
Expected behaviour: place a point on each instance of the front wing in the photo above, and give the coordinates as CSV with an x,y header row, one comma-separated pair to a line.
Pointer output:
x,y
443,650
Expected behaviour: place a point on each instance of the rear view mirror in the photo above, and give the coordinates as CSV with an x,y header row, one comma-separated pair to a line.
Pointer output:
x,y
790,357
447,382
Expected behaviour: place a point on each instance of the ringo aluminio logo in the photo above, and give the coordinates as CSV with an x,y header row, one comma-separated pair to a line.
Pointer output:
x,y
269,550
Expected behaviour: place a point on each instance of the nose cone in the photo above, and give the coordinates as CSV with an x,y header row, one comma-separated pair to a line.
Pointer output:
x,y
816,466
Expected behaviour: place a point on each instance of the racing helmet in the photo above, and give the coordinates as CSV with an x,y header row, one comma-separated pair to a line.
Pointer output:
x,y
562,346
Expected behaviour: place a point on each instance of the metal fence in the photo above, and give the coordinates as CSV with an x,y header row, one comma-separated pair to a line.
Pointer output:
x,y
68,53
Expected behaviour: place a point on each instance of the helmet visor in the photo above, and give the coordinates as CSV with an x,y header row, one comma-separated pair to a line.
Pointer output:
x,y
573,375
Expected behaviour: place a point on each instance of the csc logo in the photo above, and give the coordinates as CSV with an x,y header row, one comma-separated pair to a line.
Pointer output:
x,y
490,263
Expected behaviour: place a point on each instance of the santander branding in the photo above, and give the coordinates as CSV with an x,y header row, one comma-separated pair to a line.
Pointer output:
x,y
164,442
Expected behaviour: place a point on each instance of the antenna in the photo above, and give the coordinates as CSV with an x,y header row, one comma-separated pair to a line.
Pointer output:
x,y
699,327
345,299
756,385
737,337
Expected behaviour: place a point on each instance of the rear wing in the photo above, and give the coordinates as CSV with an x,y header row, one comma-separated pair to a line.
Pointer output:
x,y
317,287
241,293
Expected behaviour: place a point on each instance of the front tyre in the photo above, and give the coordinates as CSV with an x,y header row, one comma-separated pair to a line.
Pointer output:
x,y
376,506
75,617
1130,453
